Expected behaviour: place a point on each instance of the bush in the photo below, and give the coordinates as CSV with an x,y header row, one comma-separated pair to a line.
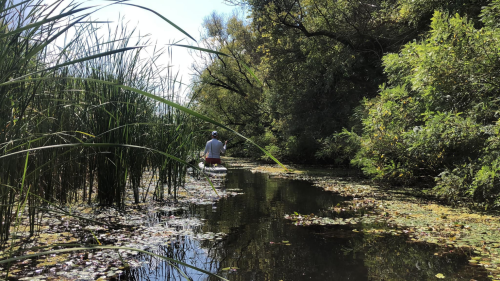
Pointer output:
x,y
437,119
339,148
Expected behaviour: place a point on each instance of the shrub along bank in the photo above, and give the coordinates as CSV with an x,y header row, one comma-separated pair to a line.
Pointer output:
x,y
405,90
437,118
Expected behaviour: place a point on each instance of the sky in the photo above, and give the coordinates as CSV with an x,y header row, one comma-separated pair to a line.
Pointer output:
x,y
187,14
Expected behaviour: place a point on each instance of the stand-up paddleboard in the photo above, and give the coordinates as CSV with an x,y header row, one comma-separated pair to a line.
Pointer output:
x,y
212,169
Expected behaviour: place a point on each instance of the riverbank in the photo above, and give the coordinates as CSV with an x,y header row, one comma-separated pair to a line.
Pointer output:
x,y
159,227
401,211
145,226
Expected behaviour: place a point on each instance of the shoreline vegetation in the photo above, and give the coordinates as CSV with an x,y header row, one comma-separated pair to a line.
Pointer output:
x,y
405,91
148,225
403,212
154,226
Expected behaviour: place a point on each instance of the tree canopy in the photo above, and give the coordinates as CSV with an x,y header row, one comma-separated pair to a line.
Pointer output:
x,y
405,90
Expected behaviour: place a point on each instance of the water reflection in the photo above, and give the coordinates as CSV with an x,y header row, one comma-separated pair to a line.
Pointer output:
x,y
261,245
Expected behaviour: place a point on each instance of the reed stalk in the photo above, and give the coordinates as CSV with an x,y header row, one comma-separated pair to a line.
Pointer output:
x,y
83,121
45,102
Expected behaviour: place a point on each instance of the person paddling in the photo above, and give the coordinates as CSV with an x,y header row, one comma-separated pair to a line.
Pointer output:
x,y
214,148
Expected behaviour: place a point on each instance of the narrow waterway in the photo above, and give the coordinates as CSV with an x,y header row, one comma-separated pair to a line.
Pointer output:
x,y
262,245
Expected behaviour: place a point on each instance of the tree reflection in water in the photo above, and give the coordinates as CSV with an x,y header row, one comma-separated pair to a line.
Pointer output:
x,y
256,246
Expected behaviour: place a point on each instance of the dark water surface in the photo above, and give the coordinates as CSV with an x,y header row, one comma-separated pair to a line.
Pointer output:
x,y
256,230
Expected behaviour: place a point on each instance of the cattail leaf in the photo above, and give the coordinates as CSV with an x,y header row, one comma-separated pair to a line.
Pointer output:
x,y
164,18
50,40
79,60
13,6
251,72
159,99
199,49
42,22
108,145
87,134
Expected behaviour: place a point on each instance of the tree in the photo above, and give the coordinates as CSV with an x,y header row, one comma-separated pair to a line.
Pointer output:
x,y
226,89
324,57
437,120
319,59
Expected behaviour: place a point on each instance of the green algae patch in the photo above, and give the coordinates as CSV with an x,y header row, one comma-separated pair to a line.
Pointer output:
x,y
402,212
300,172
421,222
151,226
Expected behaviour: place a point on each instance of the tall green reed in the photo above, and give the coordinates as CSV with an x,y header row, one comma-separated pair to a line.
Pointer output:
x,y
56,111
18,57
83,121
50,107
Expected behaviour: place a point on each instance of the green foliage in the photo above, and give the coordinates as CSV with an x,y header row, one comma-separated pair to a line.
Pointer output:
x,y
82,114
318,60
490,15
435,64
342,147
438,119
226,90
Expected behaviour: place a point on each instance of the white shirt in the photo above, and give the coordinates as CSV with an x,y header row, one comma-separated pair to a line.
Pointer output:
x,y
214,148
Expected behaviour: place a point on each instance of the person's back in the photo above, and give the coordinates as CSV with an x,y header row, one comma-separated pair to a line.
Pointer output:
x,y
214,148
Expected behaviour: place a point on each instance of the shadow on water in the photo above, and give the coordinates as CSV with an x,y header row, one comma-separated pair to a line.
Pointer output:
x,y
261,245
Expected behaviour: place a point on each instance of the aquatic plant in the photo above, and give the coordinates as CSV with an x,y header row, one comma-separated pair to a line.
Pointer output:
x,y
66,125
82,121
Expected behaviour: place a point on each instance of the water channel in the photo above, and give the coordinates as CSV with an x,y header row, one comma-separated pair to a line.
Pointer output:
x,y
262,245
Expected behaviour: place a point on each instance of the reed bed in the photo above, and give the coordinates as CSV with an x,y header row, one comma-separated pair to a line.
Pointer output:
x,y
60,100
83,115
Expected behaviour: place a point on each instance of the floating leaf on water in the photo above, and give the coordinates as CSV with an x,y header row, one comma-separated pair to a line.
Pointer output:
x,y
440,275
285,242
